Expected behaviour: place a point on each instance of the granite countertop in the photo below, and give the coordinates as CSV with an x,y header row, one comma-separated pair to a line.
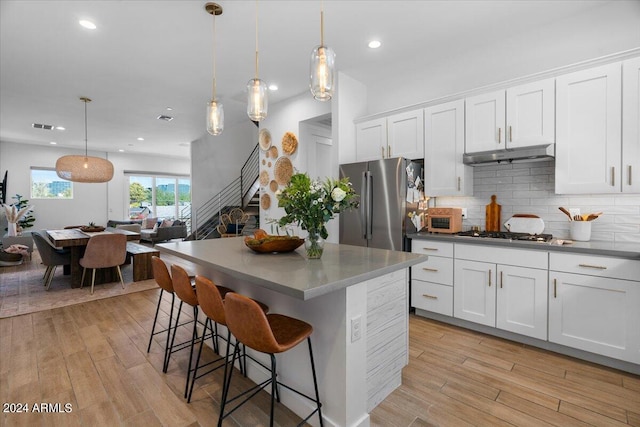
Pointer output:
x,y
594,247
292,273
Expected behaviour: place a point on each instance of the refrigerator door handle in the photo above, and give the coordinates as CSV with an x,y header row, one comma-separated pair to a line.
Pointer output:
x,y
363,205
369,205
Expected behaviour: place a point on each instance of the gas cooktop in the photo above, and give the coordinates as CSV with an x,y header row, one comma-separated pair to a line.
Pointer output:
x,y
507,235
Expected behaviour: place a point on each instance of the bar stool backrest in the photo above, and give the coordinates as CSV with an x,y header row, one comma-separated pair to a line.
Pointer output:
x,y
182,285
210,300
161,274
249,324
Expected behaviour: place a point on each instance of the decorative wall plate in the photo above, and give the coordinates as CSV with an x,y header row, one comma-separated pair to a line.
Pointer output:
x,y
273,152
264,139
283,170
273,185
289,143
265,201
264,178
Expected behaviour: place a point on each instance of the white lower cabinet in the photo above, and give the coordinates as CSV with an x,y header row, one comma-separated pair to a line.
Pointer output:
x,y
510,295
597,309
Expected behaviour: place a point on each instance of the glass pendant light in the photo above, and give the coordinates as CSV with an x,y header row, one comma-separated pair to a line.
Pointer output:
x,y
322,68
257,104
85,168
215,109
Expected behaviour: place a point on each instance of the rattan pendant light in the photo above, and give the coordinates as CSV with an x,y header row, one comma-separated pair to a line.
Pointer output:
x,y
215,109
257,103
322,67
85,168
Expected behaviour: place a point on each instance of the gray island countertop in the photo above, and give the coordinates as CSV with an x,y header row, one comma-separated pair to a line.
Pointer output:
x,y
292,273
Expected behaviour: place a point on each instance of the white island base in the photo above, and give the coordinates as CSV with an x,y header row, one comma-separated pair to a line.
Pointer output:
x,y
355,298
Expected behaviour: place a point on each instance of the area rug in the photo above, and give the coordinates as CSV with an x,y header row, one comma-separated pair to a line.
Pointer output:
x,y
22,290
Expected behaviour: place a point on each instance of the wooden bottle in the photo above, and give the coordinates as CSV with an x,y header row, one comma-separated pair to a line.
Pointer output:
x,y
493,215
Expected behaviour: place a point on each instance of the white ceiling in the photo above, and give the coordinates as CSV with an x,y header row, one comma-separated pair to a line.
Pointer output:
x,y
148,55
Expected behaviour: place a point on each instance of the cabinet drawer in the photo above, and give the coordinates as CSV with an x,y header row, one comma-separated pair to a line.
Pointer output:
x,y
435,269
505,256
616,268
432,297
431,247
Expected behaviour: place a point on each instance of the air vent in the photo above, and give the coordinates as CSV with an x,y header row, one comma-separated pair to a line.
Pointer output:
x,y
41,126
165,118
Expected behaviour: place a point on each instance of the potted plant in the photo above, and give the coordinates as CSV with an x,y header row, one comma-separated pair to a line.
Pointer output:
x,y
19,215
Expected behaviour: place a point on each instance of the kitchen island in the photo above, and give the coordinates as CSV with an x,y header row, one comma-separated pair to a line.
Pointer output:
x,y
356,298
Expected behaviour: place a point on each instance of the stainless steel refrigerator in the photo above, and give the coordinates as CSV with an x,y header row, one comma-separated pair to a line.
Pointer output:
x,y
381,220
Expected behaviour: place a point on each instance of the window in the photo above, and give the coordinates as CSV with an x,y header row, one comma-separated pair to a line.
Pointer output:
x,y
46,184
165,197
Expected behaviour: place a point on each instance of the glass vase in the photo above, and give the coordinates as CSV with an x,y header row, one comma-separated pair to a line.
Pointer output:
x,y
314,245
12,229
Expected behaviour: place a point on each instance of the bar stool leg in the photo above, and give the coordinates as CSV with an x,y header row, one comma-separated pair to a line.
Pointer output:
x,y
167,351
155,319
173,338
227,382
194,336
195,370
315,382
274,386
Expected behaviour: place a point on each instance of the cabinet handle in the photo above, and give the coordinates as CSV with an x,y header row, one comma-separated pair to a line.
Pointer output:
x,y
499,135
382,149
430,249
388,151
489,278
599,267
501,280
430,269
429,296
629,174
555,288
459,180
510,134
613,176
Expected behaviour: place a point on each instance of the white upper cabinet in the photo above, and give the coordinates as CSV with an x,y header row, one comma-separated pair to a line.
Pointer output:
x,y
588,131
399,135
445,174
485,117
631,126
521,116
371,140
406,135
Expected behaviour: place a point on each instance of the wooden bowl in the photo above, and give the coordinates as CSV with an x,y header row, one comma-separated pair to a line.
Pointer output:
x,y
94,229
274,244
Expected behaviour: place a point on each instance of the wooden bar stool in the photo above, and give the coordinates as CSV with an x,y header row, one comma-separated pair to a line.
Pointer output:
x,y
270,334
187,293
212,304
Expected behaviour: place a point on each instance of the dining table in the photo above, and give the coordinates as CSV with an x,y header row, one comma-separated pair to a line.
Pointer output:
x,y
76,240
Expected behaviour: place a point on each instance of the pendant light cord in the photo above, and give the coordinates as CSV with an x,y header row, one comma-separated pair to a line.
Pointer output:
x,y
256,39
321,24
213,96
85,129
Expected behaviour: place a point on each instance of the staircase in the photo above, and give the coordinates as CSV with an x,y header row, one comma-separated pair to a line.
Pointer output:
x,y
242,192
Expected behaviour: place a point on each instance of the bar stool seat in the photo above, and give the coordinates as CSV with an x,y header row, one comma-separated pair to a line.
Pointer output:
x,y
270,334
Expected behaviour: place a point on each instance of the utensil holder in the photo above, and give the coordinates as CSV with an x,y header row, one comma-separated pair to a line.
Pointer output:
x,y
580,230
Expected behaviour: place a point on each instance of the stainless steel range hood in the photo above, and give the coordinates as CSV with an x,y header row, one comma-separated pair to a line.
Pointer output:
x,y
511,155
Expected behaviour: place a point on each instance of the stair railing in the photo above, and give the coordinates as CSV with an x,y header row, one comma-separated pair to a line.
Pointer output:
x,y
205,218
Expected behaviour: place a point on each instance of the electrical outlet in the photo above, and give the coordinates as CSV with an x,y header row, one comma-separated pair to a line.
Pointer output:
x,y
356,328
464,213
574,211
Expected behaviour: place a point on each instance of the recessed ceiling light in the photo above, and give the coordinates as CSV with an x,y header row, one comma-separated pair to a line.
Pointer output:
x,y
273,87
60,128
87,24
121,150
53,143
165,118
169,109
374,44
140,139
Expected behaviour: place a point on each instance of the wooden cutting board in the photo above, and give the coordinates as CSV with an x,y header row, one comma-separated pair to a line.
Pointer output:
x,y
492,215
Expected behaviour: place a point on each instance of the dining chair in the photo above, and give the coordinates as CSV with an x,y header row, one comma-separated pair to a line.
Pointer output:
x,y
50,255
104,251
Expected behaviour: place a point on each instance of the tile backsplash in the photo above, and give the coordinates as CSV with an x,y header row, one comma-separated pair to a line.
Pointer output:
x,y
528,188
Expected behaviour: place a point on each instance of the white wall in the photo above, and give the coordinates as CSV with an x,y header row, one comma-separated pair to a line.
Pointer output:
x,y
597,32
91,202
349,103
216,160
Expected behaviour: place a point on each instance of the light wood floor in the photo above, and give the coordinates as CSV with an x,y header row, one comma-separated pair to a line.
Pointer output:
x,y
93,356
